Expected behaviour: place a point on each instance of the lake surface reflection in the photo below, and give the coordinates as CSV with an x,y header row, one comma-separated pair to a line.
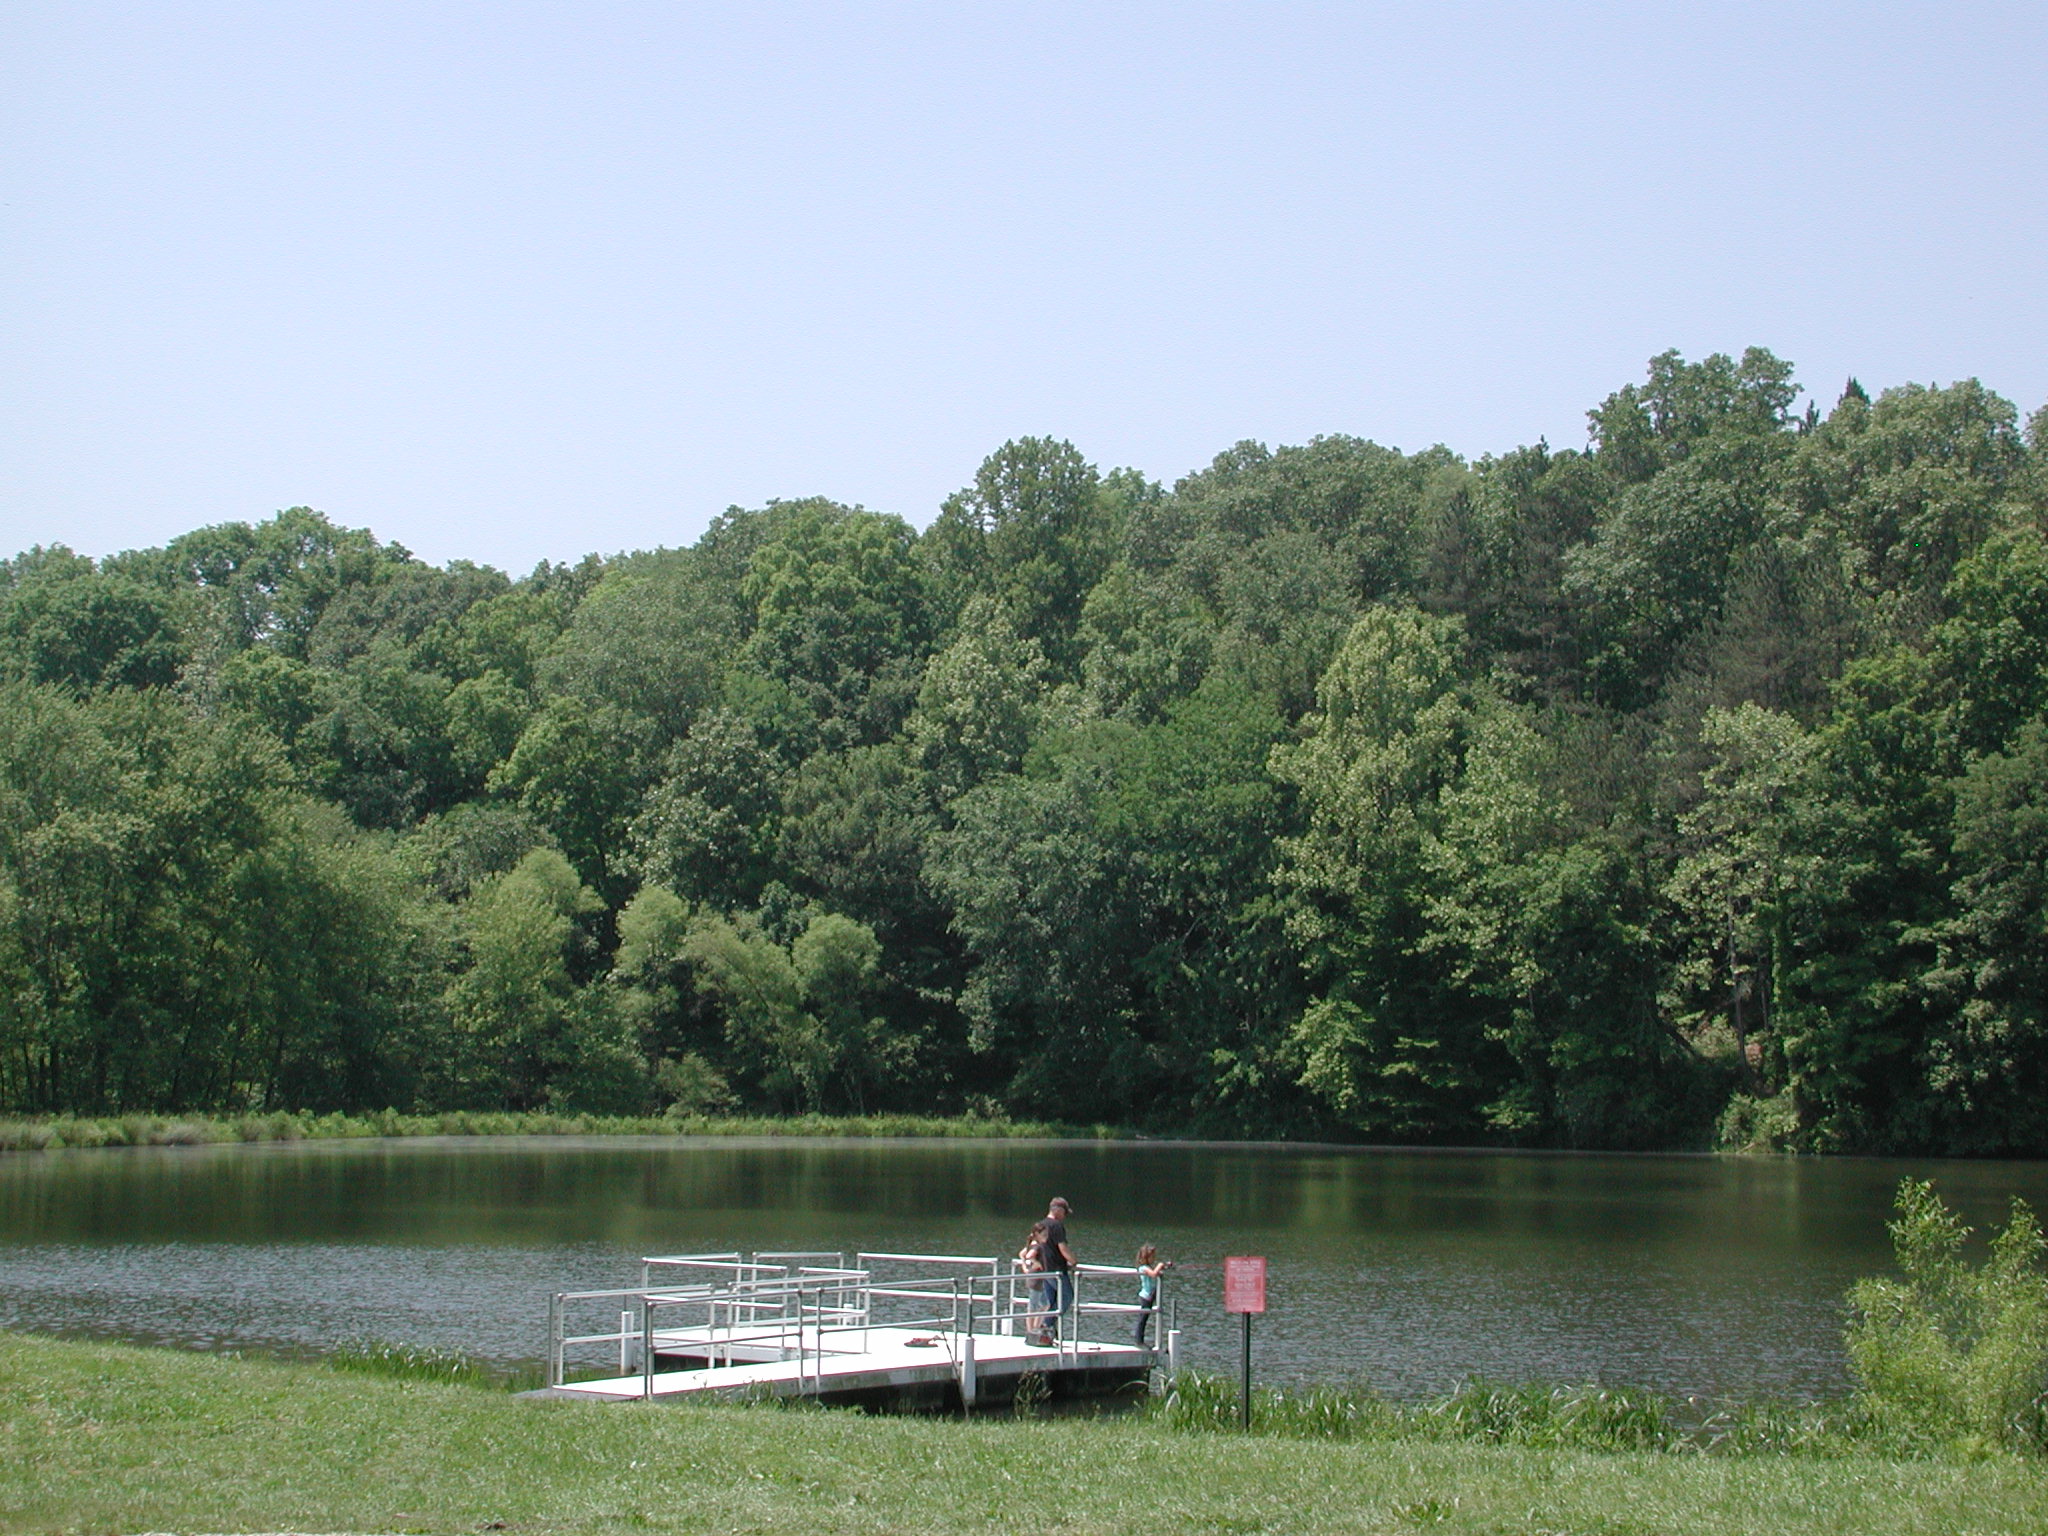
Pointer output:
x,y
1406,1270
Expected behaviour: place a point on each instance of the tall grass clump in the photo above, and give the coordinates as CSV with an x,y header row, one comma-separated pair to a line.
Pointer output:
x,y
1954,1354
1590,1418
25,1136
1198,1401
280,1126
1326,1413
1781,1429
1033,1395
410,1362
1584,1418
1578,1418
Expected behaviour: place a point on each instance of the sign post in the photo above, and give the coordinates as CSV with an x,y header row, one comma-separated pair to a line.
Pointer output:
x,y
1244,1292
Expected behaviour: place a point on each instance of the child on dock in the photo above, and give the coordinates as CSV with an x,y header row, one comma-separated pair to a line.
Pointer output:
x,y
1031,1261
1150,1268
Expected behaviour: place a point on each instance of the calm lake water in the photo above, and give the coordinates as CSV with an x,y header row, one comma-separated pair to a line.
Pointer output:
x,y
1405,1270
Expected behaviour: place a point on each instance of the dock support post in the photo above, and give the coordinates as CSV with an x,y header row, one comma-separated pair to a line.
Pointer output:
x,y
1173,1352
555,1340
801,1356
647,1350
963,1330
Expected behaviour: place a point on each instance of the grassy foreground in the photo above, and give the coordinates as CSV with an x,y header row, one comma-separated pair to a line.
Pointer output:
x,y
50,1132
100,1438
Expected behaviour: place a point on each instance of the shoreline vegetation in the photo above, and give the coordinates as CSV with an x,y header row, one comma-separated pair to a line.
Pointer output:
x,y
52,1133
101,1436
56,1132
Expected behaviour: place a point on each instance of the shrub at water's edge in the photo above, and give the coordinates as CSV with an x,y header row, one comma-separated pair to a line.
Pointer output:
x,y
1954,1353
53,1132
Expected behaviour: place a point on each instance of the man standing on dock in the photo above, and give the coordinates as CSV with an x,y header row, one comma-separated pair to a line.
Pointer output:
x,y
1059,1265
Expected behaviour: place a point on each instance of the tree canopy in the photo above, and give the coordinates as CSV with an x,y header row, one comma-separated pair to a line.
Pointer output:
x,y
1688,789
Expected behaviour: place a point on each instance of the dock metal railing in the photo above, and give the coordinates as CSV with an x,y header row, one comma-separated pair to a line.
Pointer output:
x,y
804,1307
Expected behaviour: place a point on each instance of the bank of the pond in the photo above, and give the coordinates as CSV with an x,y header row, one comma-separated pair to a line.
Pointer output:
x,y
50,1132
99,1437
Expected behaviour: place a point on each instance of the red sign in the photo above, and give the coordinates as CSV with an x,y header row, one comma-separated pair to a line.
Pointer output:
x,y
1244,1285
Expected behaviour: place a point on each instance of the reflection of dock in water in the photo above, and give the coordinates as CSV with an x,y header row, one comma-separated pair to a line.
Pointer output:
x,y
876,1329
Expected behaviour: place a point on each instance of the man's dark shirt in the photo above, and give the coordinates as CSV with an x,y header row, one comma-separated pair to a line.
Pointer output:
x,y
1055,1240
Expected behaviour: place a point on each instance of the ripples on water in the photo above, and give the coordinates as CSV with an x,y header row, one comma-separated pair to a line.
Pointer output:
x,y
1403,1270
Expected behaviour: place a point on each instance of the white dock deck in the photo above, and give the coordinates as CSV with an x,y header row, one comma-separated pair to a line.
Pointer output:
x,y
877,1359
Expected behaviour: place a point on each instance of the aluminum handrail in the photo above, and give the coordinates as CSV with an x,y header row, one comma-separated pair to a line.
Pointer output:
x,y
730,1258
904,1295
727,1259
626,1290
743,1269
927,1258
748,1298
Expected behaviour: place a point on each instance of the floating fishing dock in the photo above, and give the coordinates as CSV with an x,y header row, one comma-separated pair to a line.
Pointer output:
x,y
909,1330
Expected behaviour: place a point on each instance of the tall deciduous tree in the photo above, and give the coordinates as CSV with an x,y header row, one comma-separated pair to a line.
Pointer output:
x,y
1731,884
797,1016
1387,737
526,1036
1035,531
578,771
841,616
1122,943
1986,1062
983,700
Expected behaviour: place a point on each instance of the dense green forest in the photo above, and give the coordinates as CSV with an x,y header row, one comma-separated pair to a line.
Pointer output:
x,y
1688,789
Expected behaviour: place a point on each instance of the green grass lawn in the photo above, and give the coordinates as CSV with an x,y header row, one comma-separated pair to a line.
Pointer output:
x,y
100,1438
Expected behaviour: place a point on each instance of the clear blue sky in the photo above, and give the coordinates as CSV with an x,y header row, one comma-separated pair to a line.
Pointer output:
x,y
515,281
